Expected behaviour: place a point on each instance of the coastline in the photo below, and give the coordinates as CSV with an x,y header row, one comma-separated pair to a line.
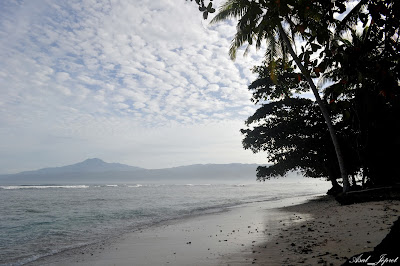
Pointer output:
x,y
206,239
308,231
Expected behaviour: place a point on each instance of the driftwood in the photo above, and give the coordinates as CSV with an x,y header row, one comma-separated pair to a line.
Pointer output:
x,y
373,194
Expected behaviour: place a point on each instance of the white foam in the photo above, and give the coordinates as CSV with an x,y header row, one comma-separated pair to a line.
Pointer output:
x,y
41,187
192,185
138,185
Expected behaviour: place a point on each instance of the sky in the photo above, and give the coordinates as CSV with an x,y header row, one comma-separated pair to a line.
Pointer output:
x,y
147,83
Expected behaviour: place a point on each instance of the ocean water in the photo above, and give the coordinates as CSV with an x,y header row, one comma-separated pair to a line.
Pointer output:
x,y
37,221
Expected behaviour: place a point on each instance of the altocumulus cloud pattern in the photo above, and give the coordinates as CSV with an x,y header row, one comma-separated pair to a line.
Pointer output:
x,y
106,78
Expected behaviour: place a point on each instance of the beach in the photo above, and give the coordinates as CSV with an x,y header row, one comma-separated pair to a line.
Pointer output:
x,y
334,233
316,231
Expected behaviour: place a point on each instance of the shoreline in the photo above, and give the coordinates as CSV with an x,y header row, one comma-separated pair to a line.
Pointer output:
x,y
224,233
308,231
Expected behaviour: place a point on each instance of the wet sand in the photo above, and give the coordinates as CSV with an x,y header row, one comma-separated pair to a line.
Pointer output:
x,y
211,239
318,232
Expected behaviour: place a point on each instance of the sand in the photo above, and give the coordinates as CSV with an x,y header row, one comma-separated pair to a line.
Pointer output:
x,y
318,232
333,234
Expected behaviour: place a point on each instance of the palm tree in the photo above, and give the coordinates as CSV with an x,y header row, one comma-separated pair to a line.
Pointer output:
x,y
364,77
278,23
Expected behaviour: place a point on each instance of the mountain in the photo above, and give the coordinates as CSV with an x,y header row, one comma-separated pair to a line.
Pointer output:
x,y
98,171
93,165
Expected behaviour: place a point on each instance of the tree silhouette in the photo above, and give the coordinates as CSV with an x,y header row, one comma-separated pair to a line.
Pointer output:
x,y
365,75
291,130
312,27
279,22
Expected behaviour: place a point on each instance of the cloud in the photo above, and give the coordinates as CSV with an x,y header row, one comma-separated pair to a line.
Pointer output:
x,y
77,69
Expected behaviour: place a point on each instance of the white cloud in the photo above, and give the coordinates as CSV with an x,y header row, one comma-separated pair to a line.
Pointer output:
x,y
86,71
62,76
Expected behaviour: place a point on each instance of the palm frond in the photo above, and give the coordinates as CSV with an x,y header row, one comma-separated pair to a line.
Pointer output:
x,y
231,9
323,80
351,18
241,37
292,32
247,29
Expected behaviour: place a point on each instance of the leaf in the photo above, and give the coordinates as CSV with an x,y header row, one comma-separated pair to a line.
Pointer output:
x,y
315,47
300,28
320,38
205,14
273,77
317,70
341,6
364,18
346,115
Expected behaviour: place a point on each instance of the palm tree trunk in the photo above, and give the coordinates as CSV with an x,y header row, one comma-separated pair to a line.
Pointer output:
x,y
321,104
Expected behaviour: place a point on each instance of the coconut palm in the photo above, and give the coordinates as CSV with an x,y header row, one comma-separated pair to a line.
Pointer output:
x,y
278,22
364,77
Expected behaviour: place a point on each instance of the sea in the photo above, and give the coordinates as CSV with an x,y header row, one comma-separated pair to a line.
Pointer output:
x,y
43,220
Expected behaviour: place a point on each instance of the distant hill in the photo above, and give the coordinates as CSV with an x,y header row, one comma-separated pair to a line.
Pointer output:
x,y
97,171
94,165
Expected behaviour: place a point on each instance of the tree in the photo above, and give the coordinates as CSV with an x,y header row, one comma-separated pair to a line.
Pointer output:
x,y
292,133
278,22
365,74
291,130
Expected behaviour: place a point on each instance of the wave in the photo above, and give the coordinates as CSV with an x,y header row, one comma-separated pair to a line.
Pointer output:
x,y
42,187
138,185
111,185
36,257
193,185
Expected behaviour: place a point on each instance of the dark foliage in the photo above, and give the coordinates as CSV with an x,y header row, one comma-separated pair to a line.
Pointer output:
x,y
363,102
205,8
293,134
366,76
